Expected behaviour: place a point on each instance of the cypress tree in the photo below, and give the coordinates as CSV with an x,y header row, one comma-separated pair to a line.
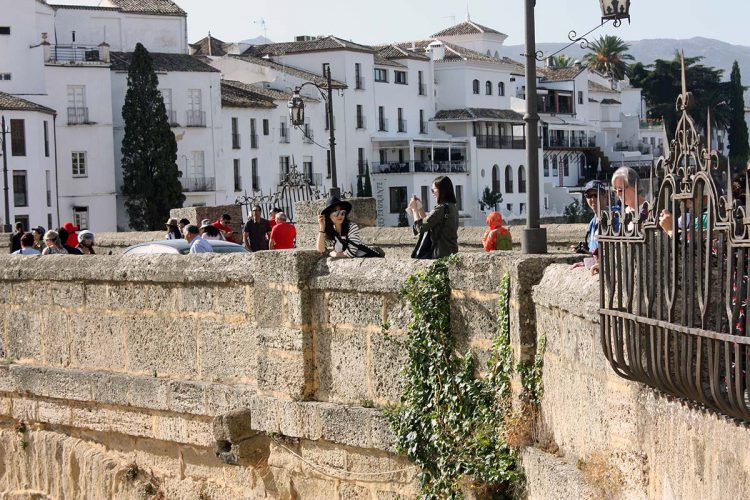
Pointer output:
x,y
360,187
151,181
367,191
739,149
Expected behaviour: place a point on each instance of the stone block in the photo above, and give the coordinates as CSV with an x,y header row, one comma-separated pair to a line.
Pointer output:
x,y
162,298
24,409
303,487
298,306
233,299
130,423
228,351
55,341
264,414
389,357
127,296
53,382
97,295
7,382
27,291
186,397
97,342
346,425
288,339
127,390
353,492
297,419
341,366
268,304
382,436
165,346
221,398
355,309
473,319
53,413
183,430
234,426
23,334
398,313
6,292
293,267
282,372
196,298
65,293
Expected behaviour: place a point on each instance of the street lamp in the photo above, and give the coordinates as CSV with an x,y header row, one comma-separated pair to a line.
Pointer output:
x,y
533,237
7,227
297,116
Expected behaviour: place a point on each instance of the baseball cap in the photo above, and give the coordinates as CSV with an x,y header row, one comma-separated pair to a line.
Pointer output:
x,y
595,184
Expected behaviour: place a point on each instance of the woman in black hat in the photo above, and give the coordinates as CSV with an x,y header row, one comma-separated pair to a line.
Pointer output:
x,y
338,235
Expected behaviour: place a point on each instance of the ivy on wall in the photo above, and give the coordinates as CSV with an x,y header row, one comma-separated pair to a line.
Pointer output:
x,y
449,422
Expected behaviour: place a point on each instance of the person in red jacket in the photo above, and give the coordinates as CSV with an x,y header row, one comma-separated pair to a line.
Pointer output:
x,y
72,240
225,226
282,234
497,237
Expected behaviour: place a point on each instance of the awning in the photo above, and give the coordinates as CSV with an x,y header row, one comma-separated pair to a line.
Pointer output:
x,y
559,123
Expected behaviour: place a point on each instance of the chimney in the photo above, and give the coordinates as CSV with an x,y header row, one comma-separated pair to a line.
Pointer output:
x,y
104,52
436,50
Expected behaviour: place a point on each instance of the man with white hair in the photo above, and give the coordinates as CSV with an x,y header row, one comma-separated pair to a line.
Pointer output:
x,y
625,186
283,234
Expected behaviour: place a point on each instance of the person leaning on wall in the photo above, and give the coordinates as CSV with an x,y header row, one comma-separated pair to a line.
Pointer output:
x,y
338,236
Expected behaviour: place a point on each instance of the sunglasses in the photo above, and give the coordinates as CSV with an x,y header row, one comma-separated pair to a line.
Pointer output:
x,y
339,213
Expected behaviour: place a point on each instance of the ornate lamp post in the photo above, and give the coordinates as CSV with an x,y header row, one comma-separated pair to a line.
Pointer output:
x,y
297,117
534,238
7,227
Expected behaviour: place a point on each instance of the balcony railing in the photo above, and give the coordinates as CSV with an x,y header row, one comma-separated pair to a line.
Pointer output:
x,y
235,141
361,122
195,118
626,146
401,125
421,89
78,116
500,142
575,142
197,184
411,167
75,53
172,118
284,136
313,179
253,141
359,83
383,125
308,136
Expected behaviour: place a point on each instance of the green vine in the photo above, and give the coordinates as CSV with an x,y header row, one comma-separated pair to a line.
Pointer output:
x,y
449,422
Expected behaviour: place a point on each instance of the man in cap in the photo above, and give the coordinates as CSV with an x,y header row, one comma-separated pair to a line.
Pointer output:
x,y
596,195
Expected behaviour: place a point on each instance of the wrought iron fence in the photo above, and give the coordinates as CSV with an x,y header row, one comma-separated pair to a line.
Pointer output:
x,y
674,277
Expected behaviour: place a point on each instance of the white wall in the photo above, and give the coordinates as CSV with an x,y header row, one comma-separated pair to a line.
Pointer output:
x,y
25,64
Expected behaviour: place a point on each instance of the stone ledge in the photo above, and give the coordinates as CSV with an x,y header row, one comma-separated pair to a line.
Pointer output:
x,y
549,477
574,291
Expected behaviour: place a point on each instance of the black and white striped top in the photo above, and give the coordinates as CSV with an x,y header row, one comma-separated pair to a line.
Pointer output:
x,y
342,244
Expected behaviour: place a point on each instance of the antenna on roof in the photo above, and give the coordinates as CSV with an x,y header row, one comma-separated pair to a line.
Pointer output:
x,y
209,44
263,25
468,15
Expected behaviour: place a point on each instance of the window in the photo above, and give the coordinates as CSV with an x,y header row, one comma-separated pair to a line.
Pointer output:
x,y
422,123
77,110
383,155
46,139
580,97
48,186
521,208
81,217
361,161
5,76
495,179
307,168
4,30
254,172
381,75
237,178
24,220
509,207
475,86
546,167
401,121
521,179
382,122
20,191
501,89
399,77
235,133
284,165
284,132
426,192
358,83
360,118
554,167
398,199
199,165
265,126
49,220
195,114
488,88
253,135
508,179
166,95
460,196
420,81
17,137
566,167
78,159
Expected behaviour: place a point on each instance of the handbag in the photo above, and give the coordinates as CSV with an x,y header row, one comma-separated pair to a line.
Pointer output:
x,y
376,252
423,248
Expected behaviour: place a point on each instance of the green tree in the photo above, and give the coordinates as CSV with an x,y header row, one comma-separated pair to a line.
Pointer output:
x,y
608,55
739,149
368,184
151,181
360,186
490,199
560,62
403,220
637,72
662,86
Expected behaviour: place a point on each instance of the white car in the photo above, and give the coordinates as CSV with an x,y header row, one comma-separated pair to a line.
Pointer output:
x,y
181,247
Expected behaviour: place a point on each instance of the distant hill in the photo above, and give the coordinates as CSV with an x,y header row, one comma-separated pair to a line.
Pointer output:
x,y
258,40
716,53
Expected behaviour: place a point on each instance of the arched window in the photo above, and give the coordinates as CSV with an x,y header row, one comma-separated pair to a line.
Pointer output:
x,y
546,167
508,179
475,86
495,179
501,89
521,179
488,88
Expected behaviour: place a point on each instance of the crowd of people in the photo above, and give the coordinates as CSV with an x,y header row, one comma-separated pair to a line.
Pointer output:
x,y
66,240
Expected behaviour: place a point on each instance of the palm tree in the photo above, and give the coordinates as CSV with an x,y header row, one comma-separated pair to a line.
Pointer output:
x,y
560,62
608,55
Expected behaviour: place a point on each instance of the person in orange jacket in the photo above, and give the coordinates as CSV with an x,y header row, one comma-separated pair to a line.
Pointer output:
x,y
497,237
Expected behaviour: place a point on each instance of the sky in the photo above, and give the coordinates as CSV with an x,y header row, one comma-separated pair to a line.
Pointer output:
x,y
380,21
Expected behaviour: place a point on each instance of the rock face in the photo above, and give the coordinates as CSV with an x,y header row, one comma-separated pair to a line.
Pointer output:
x,y
264,376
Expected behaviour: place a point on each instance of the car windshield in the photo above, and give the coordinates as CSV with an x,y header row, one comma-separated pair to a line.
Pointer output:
x,y
219,249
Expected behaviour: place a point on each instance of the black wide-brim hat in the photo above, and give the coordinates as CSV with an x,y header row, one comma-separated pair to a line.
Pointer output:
x,y
334,202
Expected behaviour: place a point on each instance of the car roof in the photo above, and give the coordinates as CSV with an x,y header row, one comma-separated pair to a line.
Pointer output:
x,y
181,244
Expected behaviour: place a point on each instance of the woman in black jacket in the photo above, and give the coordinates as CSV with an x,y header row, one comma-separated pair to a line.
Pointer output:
x,y
441,226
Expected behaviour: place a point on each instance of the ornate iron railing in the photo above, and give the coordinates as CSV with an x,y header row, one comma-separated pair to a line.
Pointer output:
x,y
674,277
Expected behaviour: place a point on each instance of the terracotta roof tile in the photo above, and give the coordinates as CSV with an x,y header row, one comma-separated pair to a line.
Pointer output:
x,y
597,87
393,51
290,70
317,45
466,28
13,103
468,114
166,7
238,95
560,75
201,48
610,101
120,61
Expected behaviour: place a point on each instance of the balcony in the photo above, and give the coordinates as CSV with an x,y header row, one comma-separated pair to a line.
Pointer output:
x,y
197,184
412,167
284,136
308,136
383,125
78,116
172,118
421,89
402,125
195,118
575,142
500,142
79,54
359,83
235,141
253,141
642,148
361,122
